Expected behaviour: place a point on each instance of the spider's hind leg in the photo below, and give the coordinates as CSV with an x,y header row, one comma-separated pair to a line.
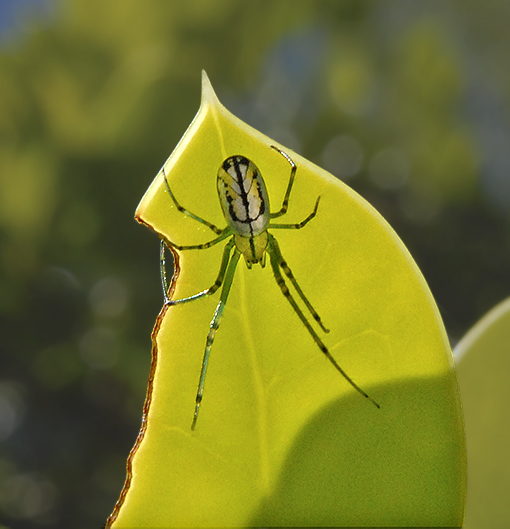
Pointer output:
x,y
293,170
185,211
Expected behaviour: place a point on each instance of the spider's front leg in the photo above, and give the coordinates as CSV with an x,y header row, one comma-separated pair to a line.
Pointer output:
x,y
278,262
207,292
215,323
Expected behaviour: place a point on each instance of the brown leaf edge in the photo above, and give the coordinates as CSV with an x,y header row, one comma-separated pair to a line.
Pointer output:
x,y
150,384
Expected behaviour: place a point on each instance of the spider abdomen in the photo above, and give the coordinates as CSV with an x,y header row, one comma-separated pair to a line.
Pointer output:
x,y
243,196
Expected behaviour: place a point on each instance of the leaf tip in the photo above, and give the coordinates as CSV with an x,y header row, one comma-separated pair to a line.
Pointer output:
x,y
208,95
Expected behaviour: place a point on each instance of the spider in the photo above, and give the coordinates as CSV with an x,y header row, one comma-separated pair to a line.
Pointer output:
x,y
245,204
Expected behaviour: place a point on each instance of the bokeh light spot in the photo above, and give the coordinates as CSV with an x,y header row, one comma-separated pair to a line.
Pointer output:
x,y
99,348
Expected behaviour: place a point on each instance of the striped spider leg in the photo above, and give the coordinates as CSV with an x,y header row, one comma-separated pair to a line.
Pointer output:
x,y
245,204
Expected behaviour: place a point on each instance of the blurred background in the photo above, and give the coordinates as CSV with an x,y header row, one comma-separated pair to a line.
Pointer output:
x,y
407,102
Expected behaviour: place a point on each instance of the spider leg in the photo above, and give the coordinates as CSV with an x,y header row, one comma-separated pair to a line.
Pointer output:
x,y
215,323
162,270
166,243
275,258
293,169
208,291
288,272
214,228
223,235
299,225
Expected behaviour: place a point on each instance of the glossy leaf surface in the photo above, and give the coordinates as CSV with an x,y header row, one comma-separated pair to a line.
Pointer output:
x,y
483,367
282,438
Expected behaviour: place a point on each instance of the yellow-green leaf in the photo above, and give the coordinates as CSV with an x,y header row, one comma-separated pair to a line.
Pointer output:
x,y
282,438
483,368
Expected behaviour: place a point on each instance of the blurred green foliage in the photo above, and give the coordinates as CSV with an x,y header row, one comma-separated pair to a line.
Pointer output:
x,y
406,101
